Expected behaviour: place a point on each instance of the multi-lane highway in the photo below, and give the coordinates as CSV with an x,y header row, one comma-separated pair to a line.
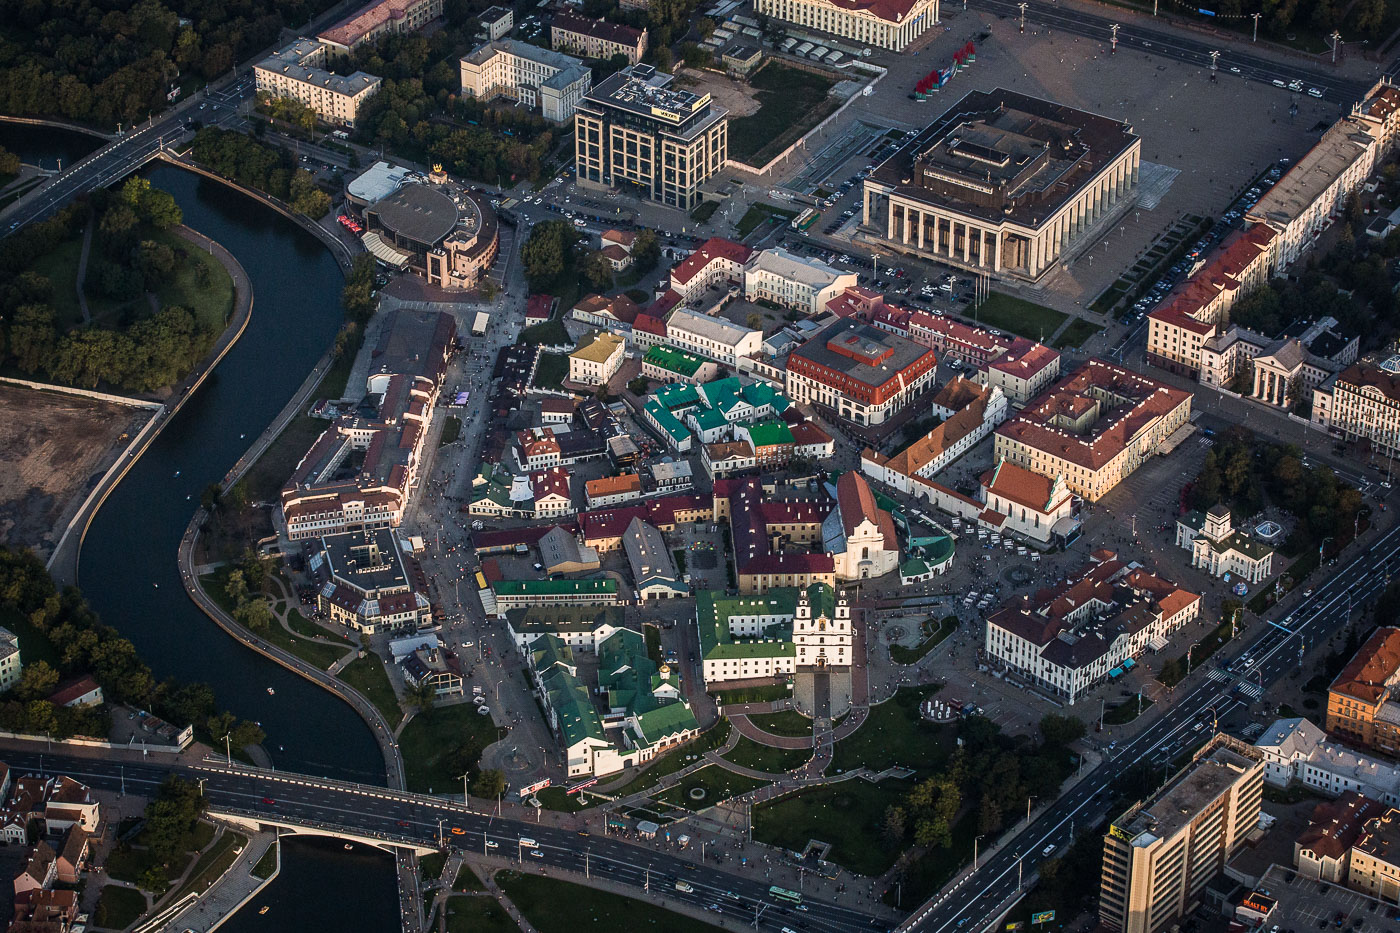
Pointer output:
x,y
412,818
1179,46
1222,687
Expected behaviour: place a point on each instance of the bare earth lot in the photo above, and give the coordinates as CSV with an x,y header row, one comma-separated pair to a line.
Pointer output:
x,y
53,448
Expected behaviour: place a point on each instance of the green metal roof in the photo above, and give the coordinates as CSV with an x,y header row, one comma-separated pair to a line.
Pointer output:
x,y
713,609
666,720
707,419
769,434
554,587
564,618
668,422
569,699
673,360
676,395
822,599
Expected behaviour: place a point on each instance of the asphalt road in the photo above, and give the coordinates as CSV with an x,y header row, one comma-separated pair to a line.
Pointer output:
x,y
399,817
1179,46
981,897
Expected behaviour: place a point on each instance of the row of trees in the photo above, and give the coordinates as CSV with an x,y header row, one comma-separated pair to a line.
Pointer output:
x,y
270,169
63,626
548,255
110,62
1246,473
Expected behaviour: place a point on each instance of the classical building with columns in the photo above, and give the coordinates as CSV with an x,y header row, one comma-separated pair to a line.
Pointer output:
x,y
1004,184
890,24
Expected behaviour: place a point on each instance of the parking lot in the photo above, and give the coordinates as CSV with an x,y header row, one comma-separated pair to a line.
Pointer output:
x,y
1304,905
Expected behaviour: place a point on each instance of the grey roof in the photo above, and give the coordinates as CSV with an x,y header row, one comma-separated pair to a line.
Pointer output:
x,y
368,559
418,212
290,60
567,68
647,553
872,341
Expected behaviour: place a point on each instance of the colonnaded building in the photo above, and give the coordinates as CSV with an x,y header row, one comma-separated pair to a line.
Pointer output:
x,y
1004,184
889,24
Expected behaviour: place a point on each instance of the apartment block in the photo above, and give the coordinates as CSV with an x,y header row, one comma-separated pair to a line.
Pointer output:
x,y
298,71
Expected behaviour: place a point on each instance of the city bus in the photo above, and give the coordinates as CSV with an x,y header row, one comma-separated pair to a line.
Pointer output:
x,y
805,219
783,894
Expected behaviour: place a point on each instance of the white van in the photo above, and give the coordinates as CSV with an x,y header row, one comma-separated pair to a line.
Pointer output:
x,y
527,843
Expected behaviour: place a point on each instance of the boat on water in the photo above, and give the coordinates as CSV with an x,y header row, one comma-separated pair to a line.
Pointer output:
x,y
271,692
263,911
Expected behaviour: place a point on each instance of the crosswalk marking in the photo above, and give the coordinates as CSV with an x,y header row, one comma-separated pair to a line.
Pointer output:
x,y
1251,690
1216,674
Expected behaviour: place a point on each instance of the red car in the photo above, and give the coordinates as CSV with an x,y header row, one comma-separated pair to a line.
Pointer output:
x,y
268,800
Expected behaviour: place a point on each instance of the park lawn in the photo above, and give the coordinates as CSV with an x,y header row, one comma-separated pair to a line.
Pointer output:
x,y
304,626
268,863
552,370
451,430
673,761
555,798
761,693
322,656
367,675
539,898
118,907
1019,316
790,102
549,334
846,815
60,267
212,305
717,783
895,734
429,739
766,758
902,655
760,213
787,722
430,866
704,211
1076,334
1126,711
213,863
477,914
933,869
467,880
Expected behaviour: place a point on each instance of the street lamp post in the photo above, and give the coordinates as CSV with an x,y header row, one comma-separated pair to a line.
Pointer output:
x,y
1028,809
974,851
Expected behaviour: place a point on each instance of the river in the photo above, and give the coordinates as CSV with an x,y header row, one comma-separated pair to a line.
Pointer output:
x,y
45,146
128,570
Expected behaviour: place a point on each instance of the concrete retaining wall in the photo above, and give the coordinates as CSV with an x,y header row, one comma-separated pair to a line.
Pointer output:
x,y
84,393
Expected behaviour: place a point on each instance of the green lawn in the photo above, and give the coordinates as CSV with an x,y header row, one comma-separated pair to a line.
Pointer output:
x,y
1126,711
1019,316
430,866
211,305
846,815
704,211
717,783
760,213
790,101
895,734
763,693
451,430
902,655
766,758
1076,334
322,656
213,863
304,626
118,907
478,914
552,370
786,722
554,798
467,880
367,675
268,863
549,334
539,899
671,762
429,739
60,267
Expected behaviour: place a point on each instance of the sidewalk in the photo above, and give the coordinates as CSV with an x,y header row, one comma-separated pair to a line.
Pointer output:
x,y
224,897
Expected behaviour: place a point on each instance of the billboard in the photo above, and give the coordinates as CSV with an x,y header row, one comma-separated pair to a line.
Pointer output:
x,y
1045,916
529,789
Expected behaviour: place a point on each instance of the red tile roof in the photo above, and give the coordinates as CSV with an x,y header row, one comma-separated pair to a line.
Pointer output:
x,y
648,324
858,504
537,307
1024,358
1364,677
1021,486
712,249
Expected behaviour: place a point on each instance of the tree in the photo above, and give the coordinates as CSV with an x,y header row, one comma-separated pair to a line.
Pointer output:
x,y
661,58
988,814
256,614
544,253
754,321
423,695
489,783
705,27
1059,731
646,250
487,288
598,271
892,828
37,681
9,162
